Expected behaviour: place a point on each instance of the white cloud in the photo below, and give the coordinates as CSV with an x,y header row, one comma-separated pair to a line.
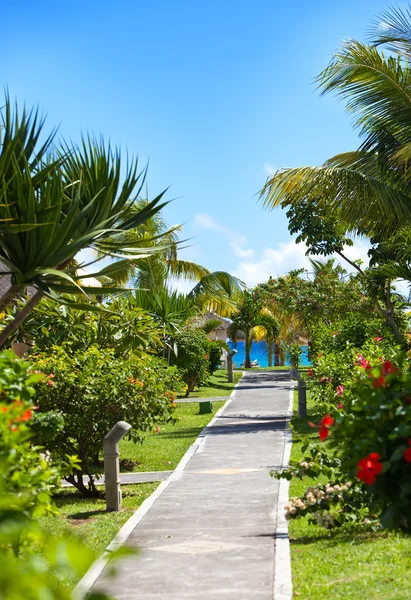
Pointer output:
x,y
237,241
273,262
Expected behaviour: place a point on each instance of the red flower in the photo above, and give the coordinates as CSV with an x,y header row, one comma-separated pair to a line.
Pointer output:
x,y
378,381
326,422
340,406
50,383
26,416
407,452
388,368
377,339
369,467
310,372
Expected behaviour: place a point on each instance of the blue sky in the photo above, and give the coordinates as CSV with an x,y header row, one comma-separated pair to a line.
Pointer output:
x,y
216,95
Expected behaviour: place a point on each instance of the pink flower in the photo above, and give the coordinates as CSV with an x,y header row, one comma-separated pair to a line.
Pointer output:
x,y
340,390
362,362
50,383
377,339
340,406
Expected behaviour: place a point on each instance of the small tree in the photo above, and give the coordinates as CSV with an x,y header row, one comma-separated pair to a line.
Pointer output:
x,y
192,357
93,390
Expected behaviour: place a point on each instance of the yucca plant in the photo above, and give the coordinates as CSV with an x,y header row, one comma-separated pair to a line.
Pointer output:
x,y
56,201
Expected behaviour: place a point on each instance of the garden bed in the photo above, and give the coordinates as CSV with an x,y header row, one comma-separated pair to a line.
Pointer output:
x,y
346,563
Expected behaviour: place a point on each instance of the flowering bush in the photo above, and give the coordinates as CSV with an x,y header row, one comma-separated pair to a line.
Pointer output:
x,y
32,564
368,432
93,390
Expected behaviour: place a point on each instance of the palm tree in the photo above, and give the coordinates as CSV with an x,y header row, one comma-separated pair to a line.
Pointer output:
x,y
253,323
216,292
154,271
51,208
371,187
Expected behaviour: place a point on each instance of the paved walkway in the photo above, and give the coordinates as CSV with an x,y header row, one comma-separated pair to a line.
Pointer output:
x,y
211,534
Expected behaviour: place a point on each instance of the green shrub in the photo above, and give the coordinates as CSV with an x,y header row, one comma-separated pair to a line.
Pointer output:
x,y
214,356
192,357
93,390
33,565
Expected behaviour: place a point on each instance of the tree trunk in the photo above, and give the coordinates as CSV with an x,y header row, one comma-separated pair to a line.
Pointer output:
x,y
13,326
270,353
10,296
248,343
276,354
77,481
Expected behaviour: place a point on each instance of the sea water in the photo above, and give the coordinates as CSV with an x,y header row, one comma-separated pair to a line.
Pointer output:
x,y
259,352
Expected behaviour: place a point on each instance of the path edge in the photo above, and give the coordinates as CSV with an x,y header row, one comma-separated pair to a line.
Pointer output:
x,y
88,580
283,587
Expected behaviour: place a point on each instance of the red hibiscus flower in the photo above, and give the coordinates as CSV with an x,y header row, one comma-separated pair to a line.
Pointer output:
x,y
369,467
326,422
362,362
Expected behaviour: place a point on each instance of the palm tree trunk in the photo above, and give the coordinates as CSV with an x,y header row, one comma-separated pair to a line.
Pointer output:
x,y
13,326
276,354
270,352
248,344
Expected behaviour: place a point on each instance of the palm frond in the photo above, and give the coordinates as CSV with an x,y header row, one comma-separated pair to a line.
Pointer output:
x,y
358,197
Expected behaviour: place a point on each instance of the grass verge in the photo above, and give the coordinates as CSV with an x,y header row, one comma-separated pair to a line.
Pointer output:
x,y
347,563
217,385
163,451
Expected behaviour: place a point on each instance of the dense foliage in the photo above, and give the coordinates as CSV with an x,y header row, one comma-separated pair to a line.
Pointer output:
x,y
192,357
94,389
32,565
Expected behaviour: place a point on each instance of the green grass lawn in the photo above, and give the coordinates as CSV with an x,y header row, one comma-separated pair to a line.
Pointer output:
x,y
88,519
217,385
346,563
163,451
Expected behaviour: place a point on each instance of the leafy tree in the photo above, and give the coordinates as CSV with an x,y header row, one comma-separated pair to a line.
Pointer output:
x,y
368,189
120,325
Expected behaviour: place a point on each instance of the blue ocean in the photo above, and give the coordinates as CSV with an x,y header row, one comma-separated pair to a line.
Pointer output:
x,y
259,352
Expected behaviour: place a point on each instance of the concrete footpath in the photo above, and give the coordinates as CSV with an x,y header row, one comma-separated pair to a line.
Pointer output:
x,y
211,533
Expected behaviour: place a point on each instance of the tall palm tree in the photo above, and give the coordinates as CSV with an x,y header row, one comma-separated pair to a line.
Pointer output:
x,y
371,187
